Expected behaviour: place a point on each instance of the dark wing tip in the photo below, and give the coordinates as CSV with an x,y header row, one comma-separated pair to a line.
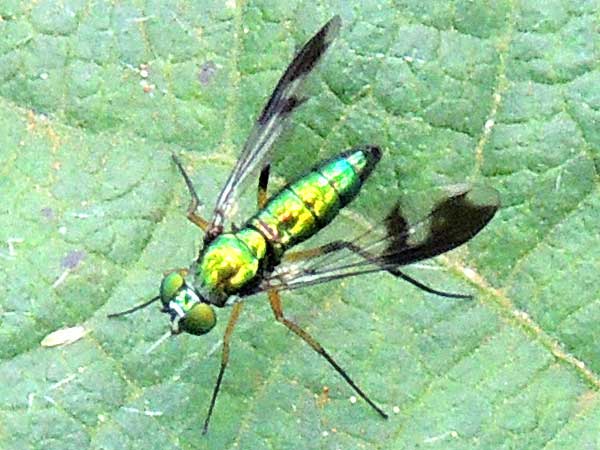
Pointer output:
x,y
313,50
463,215
454,220
283,102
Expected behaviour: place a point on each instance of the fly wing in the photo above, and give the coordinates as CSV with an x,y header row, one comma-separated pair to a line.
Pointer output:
x,y
454,220
283,101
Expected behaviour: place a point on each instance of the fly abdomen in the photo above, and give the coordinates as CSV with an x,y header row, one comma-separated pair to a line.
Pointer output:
x,y
304,207
347,172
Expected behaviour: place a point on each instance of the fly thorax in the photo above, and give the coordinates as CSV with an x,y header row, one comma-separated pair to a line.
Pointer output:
x,y
229,263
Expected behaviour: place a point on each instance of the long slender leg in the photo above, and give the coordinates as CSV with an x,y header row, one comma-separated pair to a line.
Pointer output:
x,y
194,202
261,199
263,182
301,255
424,287
337,245
235,314
275,301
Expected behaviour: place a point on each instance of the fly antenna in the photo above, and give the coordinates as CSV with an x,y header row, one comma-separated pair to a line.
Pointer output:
x,y
134,309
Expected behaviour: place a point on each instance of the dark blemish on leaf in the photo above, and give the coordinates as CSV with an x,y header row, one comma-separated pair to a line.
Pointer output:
x,y
207,72
73,259
48,213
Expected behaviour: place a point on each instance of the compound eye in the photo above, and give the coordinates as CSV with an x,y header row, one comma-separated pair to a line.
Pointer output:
x,y
199,320
170,286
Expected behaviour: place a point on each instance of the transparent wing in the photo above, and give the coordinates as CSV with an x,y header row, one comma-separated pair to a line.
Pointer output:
x,y
452,221
283,101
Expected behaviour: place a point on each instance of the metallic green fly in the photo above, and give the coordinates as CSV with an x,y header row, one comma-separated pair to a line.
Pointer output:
x,y
241,262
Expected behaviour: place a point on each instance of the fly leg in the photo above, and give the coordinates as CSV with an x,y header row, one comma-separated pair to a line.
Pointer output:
x,y
237,308
338,245
194,202
235,314
263,182
302,255
275,301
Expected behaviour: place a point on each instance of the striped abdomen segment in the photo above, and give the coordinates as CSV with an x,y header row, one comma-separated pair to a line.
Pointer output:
x,y
307,205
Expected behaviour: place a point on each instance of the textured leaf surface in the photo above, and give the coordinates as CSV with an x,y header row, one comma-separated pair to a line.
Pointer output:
x,y
94,96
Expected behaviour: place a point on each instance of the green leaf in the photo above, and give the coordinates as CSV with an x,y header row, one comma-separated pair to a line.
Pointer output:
x,y
94,96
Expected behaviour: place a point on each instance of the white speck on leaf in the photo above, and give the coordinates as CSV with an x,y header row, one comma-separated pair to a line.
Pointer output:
x,y
141,19
10,242
440,437
62,382
60,280
30,399
146,412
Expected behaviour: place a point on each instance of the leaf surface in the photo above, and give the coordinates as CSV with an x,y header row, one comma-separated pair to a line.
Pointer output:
x,y
94,96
